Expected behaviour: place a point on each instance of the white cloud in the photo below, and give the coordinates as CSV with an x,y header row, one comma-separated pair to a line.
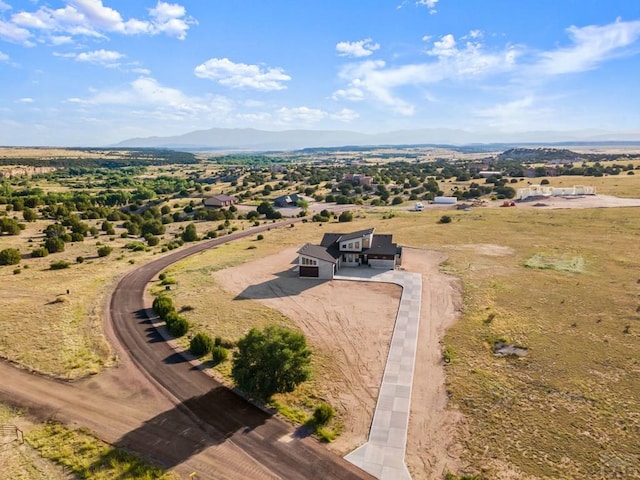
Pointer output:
x,y
377,80
446,47
26,100
146,93
304,115
169,18
345,115
15,34
100,57
363,48
4,7
241,75
4,57
592,45
92,18
523,113
430,4
60,40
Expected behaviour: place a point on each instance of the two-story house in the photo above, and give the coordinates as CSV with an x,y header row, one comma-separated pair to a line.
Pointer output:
x,y
354,249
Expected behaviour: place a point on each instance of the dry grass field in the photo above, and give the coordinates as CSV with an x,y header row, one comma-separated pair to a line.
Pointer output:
x,y
564,284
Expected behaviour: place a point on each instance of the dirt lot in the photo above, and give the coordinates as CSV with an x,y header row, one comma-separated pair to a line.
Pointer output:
x,y
352,322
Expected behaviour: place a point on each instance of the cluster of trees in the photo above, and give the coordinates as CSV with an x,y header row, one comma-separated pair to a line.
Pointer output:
x,y
269,361
166,310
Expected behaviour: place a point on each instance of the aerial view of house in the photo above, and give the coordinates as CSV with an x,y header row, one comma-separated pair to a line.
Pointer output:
x,y
220,201
337,250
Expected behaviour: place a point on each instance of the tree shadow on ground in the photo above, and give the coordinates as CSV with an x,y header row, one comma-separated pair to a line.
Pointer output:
x,y
176,435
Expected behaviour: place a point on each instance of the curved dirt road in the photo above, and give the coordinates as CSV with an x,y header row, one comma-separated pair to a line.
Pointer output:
x,y
172,412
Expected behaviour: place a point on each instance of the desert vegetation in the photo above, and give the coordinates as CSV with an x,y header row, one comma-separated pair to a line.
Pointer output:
x,y
558,283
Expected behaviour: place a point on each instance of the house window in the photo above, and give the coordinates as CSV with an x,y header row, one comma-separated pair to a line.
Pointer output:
x,y
308,261
357,244
350,245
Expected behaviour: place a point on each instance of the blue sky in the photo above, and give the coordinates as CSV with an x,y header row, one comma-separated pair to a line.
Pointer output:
x,y
94,72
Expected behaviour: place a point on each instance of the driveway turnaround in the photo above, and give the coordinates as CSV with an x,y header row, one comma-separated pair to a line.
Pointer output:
x,y
383,455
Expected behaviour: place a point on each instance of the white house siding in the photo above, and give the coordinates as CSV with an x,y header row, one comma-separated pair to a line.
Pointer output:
x,y
325,270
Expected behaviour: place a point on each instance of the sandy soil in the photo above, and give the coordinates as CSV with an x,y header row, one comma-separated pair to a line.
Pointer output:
x,y
349,324
583,201
352,323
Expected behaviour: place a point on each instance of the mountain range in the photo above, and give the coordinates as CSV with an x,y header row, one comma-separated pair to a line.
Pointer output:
x,y
248,139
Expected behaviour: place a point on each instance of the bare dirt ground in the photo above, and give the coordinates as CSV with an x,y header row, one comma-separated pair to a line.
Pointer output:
x,y
348,323
580,201
352,323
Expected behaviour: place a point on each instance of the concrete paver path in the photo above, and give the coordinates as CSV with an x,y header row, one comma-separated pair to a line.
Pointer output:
x,y
383,455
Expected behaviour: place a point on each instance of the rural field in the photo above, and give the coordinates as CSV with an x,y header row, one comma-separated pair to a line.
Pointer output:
x,y
553,285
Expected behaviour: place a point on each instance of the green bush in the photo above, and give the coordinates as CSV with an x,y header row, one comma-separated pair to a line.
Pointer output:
x,y
178,326
162,305
80,259
323,414
445,219
54,244
260,237
201,344
10,256
104,251
59,265
39,252
345,217
219,354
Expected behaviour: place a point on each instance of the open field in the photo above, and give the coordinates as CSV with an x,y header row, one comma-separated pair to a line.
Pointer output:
x,y
558,283
579,327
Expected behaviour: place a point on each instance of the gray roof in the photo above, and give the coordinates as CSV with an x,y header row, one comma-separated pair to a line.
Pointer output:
x,y
317,251
223,198
358,234
330,238
382,245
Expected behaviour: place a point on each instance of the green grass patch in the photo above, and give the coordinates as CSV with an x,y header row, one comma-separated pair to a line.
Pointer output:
x,y
545,262
90,458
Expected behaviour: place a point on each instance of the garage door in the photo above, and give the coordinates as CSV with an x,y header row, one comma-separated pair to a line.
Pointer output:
x,y
308,271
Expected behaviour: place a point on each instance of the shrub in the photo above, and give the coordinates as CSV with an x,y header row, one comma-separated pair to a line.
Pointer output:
x,y
162,305
190,234
323,414
54,245
345,217
260,237
152,240
445,219
104,251
178,326
219,354
17,271
39,252
79,259
10,256
59,265
201,344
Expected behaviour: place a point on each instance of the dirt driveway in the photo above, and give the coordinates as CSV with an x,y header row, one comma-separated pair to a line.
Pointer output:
x,y
351,324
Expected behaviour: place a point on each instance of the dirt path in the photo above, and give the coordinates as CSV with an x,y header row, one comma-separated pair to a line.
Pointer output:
x,y
352,322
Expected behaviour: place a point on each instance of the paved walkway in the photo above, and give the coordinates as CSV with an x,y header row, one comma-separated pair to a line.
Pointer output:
x,y
383,455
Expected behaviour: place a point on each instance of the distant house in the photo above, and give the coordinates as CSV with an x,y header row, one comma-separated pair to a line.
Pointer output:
x,y
287,200
337,250
220,201
357,179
